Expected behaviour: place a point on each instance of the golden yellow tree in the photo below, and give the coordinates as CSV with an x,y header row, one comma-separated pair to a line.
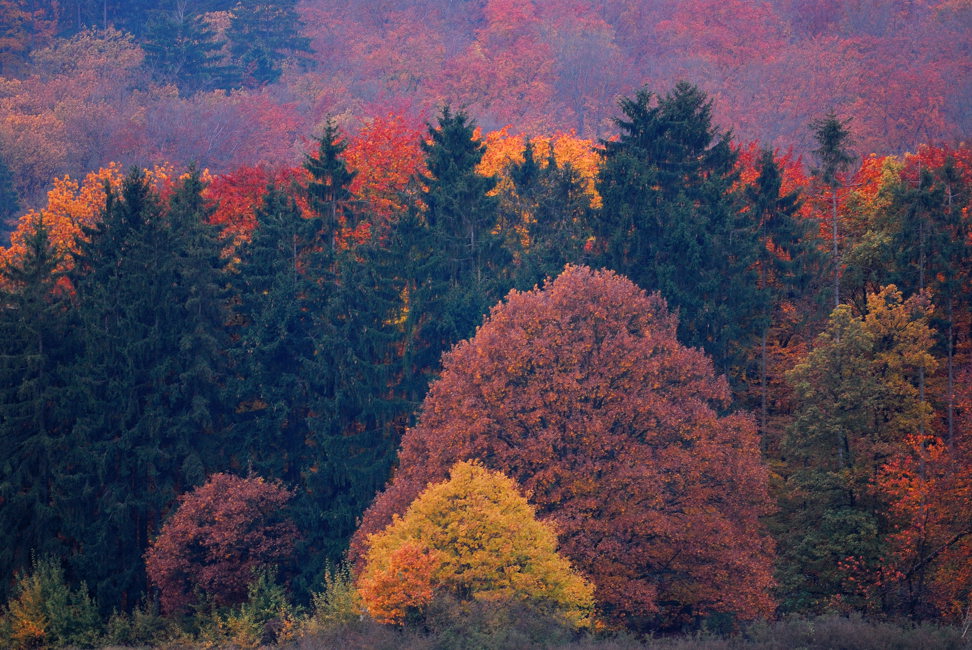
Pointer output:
x,y
475,537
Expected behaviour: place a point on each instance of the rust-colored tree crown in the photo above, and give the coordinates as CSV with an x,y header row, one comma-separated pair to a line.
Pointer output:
x,y
581,393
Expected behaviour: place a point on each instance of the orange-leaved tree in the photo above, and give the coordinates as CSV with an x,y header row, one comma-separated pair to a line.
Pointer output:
x,y
929,489
581,393
473,536
219,536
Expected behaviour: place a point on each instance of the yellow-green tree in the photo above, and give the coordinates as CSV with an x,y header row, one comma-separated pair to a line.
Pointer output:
x,y
858,402
474,537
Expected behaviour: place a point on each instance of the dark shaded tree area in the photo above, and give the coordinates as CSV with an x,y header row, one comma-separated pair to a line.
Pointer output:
x,y
149,351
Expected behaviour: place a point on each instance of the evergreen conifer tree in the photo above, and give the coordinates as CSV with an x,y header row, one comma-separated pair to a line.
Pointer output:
x,y
9,200
834,157
787,254
550,203
671,220
275,346
262,35
34,425
462,215
181,48
353,429
328,191
149,282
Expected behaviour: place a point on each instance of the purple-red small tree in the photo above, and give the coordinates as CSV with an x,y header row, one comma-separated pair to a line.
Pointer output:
x,y
219,536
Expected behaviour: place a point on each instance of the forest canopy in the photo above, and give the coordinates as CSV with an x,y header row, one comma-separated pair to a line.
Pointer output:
x,y
681,289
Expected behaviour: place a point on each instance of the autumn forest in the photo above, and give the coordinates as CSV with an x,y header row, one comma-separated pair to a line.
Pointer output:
x,y
485,323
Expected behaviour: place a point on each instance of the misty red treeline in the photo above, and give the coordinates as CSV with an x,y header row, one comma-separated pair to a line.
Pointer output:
x,y
770,66
901,70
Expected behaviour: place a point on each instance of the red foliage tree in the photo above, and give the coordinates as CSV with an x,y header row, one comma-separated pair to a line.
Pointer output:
x,y
385,156
235,196
929,487
221,533
582,393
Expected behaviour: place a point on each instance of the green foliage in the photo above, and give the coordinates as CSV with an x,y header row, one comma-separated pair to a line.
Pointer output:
x,y
9,200
44,610
273,380
834,157
461,214
672,222
833,138
263,36
265,618
34,426
338,605
144,626
151,315
180,48
328,191
858,397
548,213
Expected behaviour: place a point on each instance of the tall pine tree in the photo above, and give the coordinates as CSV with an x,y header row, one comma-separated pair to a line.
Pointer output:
x,y
547,213
834,158
273,383
787,257
181,48
461,214
262,36
34,422
149,282
672,222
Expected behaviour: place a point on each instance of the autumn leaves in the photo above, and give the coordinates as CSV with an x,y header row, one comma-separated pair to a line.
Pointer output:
x,y
581,393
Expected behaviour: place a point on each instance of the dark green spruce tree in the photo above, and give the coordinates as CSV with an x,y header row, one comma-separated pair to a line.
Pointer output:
x,y
931,242
329,190
262,36
272,355
834,158
9,201
672,222
356,417
181,49
787,258
149,284
462,216
548,201
34,426
415,275
315,350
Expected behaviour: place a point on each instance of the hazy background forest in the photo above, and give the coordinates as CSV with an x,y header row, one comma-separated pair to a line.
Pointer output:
x,y
200,80
485,324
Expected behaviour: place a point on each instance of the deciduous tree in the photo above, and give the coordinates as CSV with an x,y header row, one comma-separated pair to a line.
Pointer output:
x,y
857,400
474,537
220,535
582,393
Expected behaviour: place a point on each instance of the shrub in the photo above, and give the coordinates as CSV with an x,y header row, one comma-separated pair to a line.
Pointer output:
x,y
339,604
44,610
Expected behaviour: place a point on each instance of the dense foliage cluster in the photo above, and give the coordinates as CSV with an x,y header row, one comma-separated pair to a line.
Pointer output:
x,y
234,82
734,383
582,393
473,537
218,539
